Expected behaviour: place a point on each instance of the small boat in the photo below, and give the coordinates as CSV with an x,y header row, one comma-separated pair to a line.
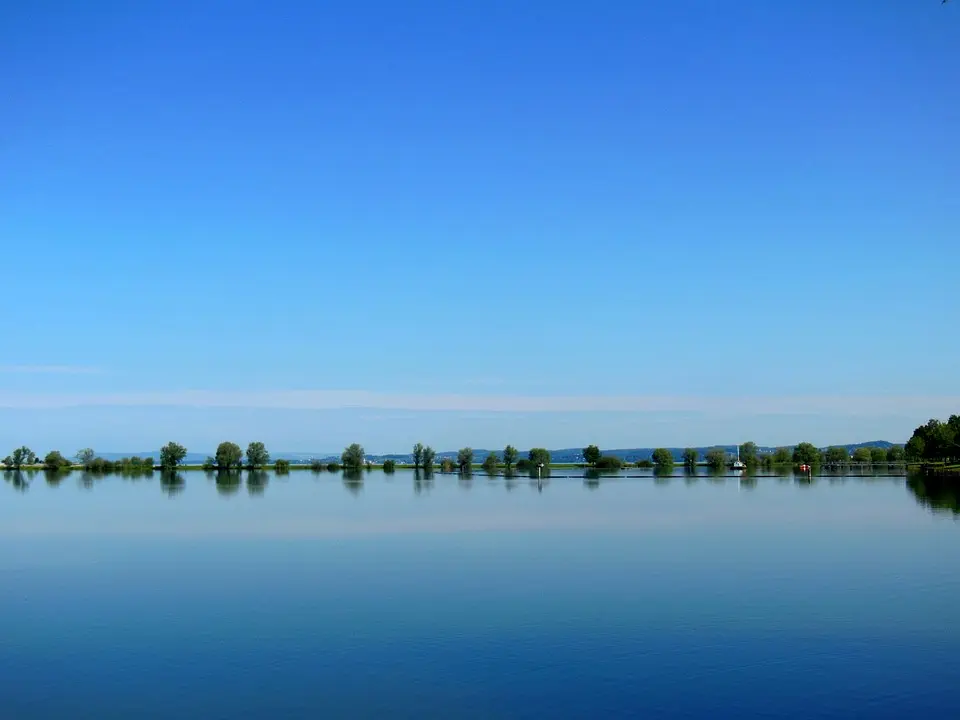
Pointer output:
x,y
738,464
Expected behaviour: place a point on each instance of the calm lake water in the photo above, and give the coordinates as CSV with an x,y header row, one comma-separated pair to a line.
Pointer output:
x,y
308,596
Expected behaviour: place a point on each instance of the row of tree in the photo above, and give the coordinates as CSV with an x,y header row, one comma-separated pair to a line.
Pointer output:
x,y
424,458
228,457
935,441
803,454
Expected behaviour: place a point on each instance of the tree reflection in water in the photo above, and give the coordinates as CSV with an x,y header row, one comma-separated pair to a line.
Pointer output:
x,y
228,482
172,483
257,482
940,494
353,481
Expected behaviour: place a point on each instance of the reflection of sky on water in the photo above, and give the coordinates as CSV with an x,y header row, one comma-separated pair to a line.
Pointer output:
x,y
299,596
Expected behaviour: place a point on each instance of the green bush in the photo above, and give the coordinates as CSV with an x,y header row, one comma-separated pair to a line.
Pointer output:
x,y
316,466
333,467
389,466
281,466
608,462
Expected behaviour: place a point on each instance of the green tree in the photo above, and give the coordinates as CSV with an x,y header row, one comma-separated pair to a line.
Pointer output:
x,y
490,464
806,454
55,461
85,456
690,457
748,454
539,456
171,455
782,456
446,465
257,455
862,455
465,460
591,454
22,456
717,458
837,454
353,457
662,457
389,466
935,440
878,455
281,466
915,449
896,454
429,454
229,455
510,456
417,456
608,462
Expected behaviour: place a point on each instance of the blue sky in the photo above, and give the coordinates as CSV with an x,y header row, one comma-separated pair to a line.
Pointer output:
x,y
626,223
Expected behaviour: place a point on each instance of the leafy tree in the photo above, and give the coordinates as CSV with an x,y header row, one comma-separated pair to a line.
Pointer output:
x,y
333,467
878,455
8,462
690,456
896,454
510,456
55,461
257,455
389,466
915,448
748,454
465,460
417,456
935,440
428,457
717,458
171,455
608,462
591,454
662,457
645,464
446,465
837,454
209,464
539,456
806,454
782,456
229,455
490,464
85,456
20,457
353,457
862,455
281,466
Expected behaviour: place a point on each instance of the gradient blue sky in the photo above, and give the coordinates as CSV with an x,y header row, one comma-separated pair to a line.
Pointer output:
x,y
546,223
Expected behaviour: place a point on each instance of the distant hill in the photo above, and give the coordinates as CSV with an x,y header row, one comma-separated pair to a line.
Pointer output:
x,y
563,455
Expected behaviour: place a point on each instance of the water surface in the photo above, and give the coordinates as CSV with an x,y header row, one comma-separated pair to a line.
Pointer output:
x,y
320,596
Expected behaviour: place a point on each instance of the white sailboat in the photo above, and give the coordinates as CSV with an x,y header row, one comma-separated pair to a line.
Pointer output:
x,y
739,465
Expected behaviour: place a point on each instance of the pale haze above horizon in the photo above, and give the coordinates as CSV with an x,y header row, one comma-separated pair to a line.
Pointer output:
x,y
555,224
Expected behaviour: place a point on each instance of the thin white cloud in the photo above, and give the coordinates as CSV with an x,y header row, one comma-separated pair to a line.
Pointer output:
x,y
48,369
847,405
